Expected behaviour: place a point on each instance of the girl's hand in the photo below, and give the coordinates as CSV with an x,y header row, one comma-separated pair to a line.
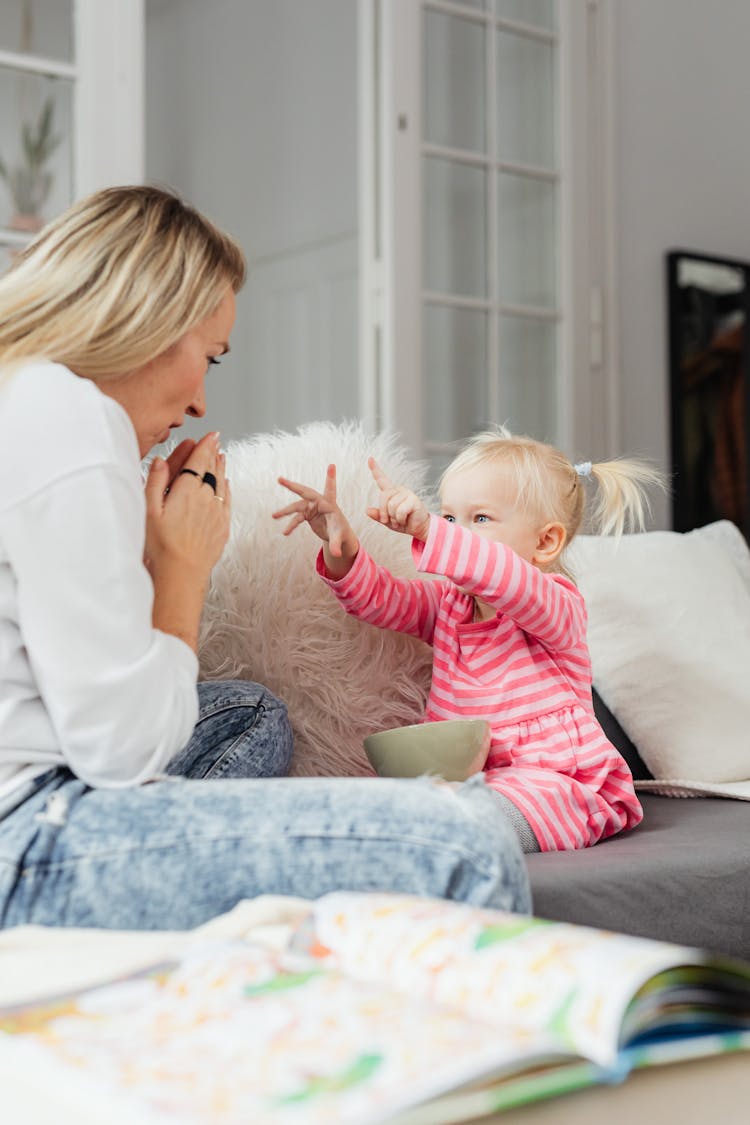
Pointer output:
x,y
187,523
325,518
399,508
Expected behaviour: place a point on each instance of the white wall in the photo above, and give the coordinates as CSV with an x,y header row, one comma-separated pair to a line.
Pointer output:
x,y
252,114
259,127
683,174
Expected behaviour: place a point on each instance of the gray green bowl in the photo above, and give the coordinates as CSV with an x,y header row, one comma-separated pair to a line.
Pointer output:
x,y
453,749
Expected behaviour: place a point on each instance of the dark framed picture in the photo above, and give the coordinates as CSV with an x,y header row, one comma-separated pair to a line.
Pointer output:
x,y
709,349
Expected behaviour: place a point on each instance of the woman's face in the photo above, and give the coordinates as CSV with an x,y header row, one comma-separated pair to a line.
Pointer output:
x,y
158,395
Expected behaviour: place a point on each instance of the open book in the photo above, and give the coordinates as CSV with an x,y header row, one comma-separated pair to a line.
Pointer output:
x,y
380,1008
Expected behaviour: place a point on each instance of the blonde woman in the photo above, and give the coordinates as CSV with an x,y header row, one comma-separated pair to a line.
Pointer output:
x,y
508,628
127,797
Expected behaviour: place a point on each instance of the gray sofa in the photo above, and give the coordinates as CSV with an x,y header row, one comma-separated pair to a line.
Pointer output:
x,y
682,875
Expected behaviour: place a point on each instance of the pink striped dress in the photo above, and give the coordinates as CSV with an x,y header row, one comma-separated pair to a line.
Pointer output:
x,y
527,671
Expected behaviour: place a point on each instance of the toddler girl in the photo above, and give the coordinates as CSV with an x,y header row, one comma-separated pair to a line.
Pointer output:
x,y
508,626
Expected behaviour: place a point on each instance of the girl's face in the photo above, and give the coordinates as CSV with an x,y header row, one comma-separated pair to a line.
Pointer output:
x,y
159,395
483,499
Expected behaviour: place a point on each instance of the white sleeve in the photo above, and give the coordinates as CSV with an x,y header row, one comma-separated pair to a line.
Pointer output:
x,y
121,695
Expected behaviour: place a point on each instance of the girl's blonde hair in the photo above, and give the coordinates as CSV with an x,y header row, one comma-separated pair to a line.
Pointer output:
x,y
115,281
553,489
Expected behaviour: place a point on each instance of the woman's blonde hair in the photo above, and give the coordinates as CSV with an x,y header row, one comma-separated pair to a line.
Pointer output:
x,y
115,281
554,490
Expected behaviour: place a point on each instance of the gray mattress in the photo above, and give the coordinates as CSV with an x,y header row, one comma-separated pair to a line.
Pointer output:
x,y
682,875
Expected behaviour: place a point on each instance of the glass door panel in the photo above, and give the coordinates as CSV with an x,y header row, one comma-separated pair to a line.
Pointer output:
x,y
474,202
455,228
527,241
36,159
454,96
529,387
38,27
455,359
534,13
525,100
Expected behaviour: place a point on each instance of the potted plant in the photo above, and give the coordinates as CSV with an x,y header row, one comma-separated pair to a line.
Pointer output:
x,y
29,182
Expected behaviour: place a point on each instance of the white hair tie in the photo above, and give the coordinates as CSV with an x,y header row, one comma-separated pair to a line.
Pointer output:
x,y
583,468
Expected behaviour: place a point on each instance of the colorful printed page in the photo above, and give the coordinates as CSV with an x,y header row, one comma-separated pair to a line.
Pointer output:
x,y
550,983
240,1033
385,1003
466,1105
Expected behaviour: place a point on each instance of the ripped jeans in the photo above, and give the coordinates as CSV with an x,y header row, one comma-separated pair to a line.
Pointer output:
x,y
175,852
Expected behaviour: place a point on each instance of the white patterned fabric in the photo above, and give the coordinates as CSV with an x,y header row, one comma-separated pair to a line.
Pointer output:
x,y
269,618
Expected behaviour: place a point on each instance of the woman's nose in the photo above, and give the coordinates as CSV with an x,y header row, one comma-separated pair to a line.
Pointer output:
x,y
197,407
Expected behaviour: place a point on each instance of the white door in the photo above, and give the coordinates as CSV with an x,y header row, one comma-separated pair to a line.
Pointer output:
x,y
484,253
71,92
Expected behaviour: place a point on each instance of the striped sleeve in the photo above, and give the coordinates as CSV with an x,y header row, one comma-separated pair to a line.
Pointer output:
x,y
371,593
546,606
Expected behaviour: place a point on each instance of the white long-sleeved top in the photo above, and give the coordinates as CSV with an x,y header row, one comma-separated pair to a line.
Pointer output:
x,y
85,679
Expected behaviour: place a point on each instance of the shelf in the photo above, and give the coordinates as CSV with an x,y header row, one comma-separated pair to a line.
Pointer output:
x,y
35,64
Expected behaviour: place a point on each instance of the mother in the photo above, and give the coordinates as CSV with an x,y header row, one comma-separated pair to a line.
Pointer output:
x,y
127,798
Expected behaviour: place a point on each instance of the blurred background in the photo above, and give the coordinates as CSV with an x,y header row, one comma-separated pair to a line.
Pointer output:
x,y
455,211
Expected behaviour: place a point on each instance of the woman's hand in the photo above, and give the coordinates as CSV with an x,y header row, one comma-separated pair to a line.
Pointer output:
x,y
187,527
398,508
320,510
177,459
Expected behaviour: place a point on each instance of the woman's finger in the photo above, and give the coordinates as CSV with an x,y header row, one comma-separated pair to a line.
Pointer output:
x,y
221,475
203,459
178,457
157,483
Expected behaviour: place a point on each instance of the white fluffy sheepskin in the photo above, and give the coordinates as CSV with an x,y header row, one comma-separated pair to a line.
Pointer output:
x,y
269,618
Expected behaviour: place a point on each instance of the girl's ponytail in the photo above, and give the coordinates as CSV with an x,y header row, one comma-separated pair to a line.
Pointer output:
x,y
621,501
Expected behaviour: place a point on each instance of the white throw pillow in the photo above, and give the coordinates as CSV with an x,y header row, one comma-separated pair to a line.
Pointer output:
x,y
669,634
269,618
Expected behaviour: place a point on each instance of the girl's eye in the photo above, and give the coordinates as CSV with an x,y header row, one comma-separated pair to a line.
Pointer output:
x,y
481,518
212,359
450,519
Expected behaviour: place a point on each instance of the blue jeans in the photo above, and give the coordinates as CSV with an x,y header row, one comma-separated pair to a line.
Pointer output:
x,y
175,852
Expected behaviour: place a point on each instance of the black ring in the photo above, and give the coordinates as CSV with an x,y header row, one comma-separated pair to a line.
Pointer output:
x,y
209,478
192,473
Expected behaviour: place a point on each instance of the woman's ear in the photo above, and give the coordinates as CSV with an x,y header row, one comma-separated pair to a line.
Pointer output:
x,y
550,542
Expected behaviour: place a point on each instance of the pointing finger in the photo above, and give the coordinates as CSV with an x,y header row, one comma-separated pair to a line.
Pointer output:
x,y
329,488
382,480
